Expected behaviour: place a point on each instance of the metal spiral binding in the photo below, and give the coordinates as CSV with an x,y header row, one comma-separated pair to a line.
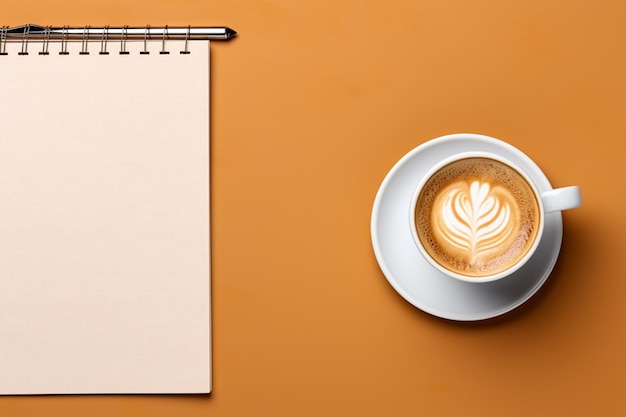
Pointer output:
x,y
104,41
146,36
64,36
27,34
24,50
186,51
46,41
3,40
123,40
165,35
85,42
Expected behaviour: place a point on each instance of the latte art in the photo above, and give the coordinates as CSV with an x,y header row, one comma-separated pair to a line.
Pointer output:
x,y
474,219
477,217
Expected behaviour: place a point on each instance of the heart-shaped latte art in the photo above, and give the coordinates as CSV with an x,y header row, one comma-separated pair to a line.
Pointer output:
x,y
476,220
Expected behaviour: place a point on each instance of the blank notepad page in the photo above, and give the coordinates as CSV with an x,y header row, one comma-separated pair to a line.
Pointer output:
x,y
104,220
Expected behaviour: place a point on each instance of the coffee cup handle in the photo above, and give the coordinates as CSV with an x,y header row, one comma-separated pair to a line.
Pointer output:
x,y
561,199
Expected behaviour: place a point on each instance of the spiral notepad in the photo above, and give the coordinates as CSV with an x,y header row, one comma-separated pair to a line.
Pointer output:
x,y
104,212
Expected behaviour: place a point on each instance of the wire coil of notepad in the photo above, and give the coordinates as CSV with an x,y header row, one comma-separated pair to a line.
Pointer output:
x,y
26,34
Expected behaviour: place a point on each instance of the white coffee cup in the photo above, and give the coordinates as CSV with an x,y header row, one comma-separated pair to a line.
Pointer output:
x,y
455,225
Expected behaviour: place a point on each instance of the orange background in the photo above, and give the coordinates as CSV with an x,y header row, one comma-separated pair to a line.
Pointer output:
x,y
312,104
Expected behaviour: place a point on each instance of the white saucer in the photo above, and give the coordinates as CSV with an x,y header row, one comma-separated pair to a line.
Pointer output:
x,y
414,278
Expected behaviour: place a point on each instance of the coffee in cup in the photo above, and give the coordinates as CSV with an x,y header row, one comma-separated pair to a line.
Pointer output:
x,y
477,216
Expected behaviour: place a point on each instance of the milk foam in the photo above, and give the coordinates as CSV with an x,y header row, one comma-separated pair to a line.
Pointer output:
x,y
474,218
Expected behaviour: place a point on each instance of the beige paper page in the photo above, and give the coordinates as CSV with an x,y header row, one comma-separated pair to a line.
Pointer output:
x,y
104,220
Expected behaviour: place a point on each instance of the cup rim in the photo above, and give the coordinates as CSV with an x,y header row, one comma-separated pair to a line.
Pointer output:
x,y
466,155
